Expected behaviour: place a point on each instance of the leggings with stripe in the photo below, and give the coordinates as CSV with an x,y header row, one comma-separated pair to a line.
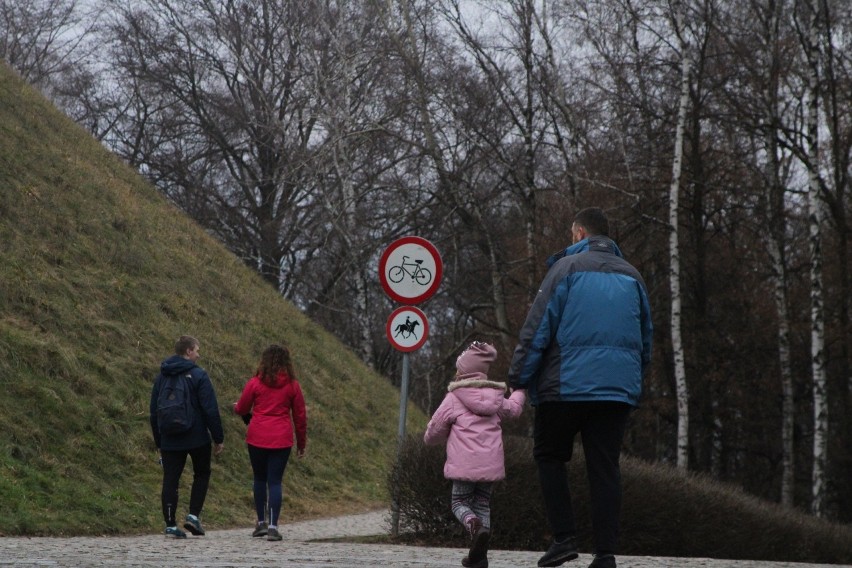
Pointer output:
x,y
472,498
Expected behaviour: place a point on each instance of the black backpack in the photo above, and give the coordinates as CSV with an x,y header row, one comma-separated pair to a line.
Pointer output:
x,y
175,413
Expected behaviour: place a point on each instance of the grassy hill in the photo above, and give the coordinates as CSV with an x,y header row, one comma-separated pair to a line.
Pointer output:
x,y
98,277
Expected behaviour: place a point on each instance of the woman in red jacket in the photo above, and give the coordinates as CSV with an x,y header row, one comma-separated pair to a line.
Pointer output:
x,y
269,399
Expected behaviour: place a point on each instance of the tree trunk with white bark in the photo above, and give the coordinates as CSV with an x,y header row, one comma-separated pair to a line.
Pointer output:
x,y
674,253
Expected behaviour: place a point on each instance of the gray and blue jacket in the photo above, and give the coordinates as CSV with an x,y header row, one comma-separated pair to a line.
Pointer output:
x,y
587,336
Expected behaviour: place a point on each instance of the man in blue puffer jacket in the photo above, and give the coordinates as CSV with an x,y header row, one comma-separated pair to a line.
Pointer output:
x,y
583,351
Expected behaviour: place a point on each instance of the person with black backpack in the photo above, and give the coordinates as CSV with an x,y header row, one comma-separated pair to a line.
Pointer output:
x,y
184,415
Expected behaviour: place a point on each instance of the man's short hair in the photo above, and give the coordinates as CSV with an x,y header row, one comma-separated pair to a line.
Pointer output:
x,y
594,220
184,344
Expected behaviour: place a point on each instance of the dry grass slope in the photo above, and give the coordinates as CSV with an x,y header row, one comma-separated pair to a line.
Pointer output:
x,y
98,276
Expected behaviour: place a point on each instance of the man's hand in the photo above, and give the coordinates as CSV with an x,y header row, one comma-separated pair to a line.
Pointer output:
x,y
219,448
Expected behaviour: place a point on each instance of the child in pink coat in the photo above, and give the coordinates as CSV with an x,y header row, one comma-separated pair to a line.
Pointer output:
x,y
468,420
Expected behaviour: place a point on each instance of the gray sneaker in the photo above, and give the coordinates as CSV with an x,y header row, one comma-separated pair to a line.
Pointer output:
x,y
193,525
260,529
175,532
273,534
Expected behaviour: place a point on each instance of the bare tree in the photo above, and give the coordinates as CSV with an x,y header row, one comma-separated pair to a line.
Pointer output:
x,y
674,247
45,40
811,45
463,181
769,17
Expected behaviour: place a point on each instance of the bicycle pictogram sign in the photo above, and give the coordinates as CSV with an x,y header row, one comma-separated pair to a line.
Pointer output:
x,y
410,270
413,269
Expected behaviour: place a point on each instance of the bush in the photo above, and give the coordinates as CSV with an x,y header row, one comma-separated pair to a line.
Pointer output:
x,y
424,498
665,512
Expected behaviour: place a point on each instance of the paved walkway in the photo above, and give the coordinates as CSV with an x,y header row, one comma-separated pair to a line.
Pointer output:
x,y
300,548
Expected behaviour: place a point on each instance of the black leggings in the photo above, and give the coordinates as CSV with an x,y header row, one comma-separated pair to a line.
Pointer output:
x,y
173,463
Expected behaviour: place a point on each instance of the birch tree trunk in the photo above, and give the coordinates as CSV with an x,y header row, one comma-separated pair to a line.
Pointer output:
x,y
815,222
775,215
674,251
778,271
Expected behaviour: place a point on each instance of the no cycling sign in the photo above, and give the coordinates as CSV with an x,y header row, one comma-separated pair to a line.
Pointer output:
x,y
410,270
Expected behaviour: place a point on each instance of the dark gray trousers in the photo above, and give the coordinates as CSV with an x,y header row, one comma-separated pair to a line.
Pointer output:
x,y
601,426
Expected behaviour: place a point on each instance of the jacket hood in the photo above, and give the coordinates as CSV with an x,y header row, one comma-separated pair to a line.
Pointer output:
x,y
282,379
597,242
175,365
480,396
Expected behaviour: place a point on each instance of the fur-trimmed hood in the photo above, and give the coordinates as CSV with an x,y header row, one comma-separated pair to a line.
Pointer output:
x,y
476,383
480,396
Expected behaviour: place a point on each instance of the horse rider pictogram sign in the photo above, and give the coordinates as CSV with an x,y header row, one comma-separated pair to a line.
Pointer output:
x,y
407,329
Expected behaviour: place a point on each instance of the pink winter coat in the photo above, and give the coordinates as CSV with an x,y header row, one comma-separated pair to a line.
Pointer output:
x,y
469,421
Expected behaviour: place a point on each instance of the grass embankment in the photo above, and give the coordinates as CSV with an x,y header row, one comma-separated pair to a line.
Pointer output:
x,y
98,277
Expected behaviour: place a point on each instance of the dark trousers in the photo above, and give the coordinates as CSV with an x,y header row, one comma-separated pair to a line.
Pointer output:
x,y
268,466
601,426
173,463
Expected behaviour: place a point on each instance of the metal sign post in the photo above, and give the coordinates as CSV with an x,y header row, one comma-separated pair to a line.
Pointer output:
x,y
403,408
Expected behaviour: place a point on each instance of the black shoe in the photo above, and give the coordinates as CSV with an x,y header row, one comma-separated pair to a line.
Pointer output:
x,y
478,555
605,561
260,529
559,553
483,563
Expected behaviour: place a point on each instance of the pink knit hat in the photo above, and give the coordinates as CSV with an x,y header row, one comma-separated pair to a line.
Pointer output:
x,y
475,359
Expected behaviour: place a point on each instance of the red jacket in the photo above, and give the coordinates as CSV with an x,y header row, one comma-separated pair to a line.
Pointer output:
x,y
271,407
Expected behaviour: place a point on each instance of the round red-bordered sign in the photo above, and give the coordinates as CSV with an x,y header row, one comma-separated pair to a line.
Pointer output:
x,y
410,270
407,329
